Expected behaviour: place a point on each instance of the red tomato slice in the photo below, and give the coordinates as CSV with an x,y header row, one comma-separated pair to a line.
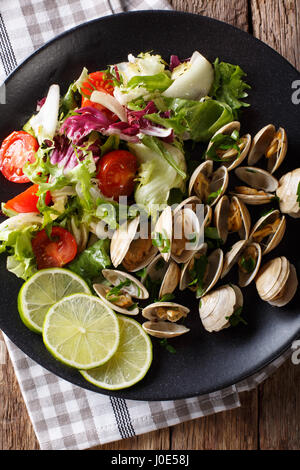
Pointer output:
x,y
116,173
98,81
54,252
17,149
27,200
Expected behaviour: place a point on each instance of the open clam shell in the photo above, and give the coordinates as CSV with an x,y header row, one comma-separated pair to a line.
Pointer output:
x,y
239,218
168,274
277,150
162,329
135,288
269,231
260,143
132,251
207,184
102,290
257,178
217,306
185,277
186,234
261,185
165,311
247,272
230,158
232,256
213,271
163,232
232,216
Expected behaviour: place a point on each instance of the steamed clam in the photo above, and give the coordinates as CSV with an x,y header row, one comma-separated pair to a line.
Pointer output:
x,y
162,318
202,272
165,275
247,255
177,234
217,308
260,188
276,281
272,144
207,184
232,216
134,253
288,193
269,230
120,290
228,147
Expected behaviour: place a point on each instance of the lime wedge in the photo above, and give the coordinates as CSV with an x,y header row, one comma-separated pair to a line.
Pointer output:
x,y
81,331
131,361
42,290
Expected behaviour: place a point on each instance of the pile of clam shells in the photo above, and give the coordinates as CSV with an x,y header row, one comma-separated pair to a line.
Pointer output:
x,y
169,264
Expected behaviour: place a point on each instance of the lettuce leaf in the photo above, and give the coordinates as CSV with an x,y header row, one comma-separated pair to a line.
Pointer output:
x,y
229,86
197,119
17,243
90,262
156,177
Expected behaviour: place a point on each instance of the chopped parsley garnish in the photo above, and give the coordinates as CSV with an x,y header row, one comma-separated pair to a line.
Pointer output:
x,y
248,264
223,143
298,193
113,294
197,274
161,241
212,196
167,346
236,318
166,298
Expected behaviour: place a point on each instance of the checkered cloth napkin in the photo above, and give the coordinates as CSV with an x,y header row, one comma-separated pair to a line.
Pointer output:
x,y
65,416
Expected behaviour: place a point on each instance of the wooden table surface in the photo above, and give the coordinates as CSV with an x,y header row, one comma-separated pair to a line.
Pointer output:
x,y
270,416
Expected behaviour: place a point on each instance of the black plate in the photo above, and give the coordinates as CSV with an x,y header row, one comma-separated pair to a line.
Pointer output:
x,y
203,362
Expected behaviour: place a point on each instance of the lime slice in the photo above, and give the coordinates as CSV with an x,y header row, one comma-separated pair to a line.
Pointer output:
x,y
131,361
81,331
42,290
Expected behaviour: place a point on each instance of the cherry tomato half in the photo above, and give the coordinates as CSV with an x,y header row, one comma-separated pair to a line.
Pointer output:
x,y
56,251
27,200
17,149
116,172
97,81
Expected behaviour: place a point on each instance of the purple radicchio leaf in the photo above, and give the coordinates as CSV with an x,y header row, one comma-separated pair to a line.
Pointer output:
x,y
64,154
86,120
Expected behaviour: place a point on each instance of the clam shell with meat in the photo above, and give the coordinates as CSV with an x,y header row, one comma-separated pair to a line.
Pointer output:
x,y
269,231
177,234
232,157
213,264
132,251
167,274
232,216
207,184
260,188
162,318
270,143
122,300
247,255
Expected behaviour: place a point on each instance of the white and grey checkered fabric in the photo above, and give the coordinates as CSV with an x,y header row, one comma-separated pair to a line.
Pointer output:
x,y
65,416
